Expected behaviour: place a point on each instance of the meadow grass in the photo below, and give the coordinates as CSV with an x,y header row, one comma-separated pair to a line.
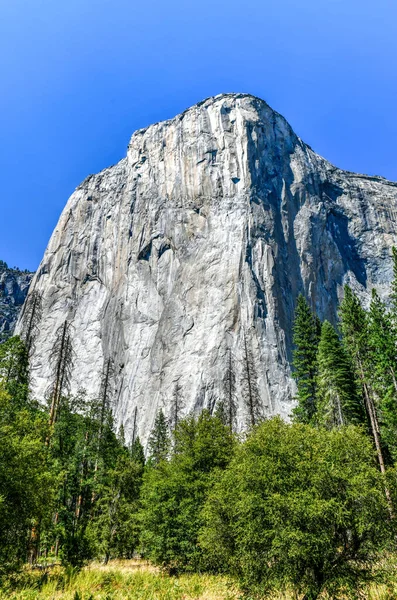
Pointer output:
x,y
138,580
119,580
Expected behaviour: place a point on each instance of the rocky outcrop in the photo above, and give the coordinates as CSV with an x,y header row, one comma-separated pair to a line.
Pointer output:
x,y
14,286
194,247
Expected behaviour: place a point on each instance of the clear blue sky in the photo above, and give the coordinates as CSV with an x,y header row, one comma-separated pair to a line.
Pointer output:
x,y
79,76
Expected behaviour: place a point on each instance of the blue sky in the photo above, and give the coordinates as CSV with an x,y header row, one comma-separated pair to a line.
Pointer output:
x,y
79,76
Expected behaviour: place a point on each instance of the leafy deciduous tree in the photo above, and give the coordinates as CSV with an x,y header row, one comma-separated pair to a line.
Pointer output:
x,y
300,507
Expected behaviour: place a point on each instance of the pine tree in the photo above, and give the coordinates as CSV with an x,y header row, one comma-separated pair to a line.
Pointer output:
x,y
27,481
227,407
137,452
114,527
31,317
338,402
121,436
306,335
354,326
159,440
134,425
177,406
251,393
85,473
393,295
174,494
103,409
14,370
61,359
383,361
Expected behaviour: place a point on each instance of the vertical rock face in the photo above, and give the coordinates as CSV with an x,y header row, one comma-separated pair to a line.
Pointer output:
x,y
197,245
14,286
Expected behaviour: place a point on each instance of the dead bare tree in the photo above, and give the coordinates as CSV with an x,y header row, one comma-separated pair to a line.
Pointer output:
x,y
105,397
105,393
61,359
178,405
227,407
134,426
251,393
30,319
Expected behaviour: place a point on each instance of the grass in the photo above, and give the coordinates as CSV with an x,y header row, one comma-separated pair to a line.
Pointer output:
x,y
138,580
119,580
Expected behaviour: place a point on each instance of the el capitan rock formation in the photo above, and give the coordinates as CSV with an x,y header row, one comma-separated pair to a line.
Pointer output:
x,y
197,244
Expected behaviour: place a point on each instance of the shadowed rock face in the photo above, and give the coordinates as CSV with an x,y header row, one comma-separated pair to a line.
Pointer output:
x,y
202,236
14,286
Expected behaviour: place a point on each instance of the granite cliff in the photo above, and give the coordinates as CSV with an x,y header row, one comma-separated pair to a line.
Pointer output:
x,y
14,286
194,248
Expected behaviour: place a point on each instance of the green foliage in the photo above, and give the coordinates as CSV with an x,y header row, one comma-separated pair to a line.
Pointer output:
x,y
27,480
360,332
174,492
137,452
159,443
97,498
114,526
14,370
27,477
306,333
338,400
354,327
383,363
297,507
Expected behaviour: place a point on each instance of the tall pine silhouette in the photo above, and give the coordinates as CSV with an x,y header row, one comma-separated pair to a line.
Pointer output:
x,y
159,442
354,326
306,334
383,362
338,402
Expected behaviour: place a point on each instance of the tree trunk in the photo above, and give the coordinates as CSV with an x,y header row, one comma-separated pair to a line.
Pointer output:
x,y
371,411
249,384
58,380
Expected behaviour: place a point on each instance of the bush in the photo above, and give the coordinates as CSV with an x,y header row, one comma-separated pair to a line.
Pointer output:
x,y
298,507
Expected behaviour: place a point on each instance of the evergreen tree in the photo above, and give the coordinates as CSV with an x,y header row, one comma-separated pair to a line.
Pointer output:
x,y
251,393
137,452
227,407
393,295
174,493
383,361
113,528
177,406
381,343
354,326
27,481
306,335
14,370
30,318
61,359
159,442
135,425
85,469
338,402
